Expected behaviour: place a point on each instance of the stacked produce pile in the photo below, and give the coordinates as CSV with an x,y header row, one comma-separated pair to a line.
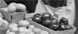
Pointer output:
x,y
24,27
52,22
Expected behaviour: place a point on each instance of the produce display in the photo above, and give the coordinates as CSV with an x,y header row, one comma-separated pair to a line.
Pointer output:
x,y
24,27
52,22
19,25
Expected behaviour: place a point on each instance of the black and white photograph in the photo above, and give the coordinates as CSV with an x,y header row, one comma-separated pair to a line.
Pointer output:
x,y
38,16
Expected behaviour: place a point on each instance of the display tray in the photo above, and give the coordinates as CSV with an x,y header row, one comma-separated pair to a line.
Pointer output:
x,y
71,31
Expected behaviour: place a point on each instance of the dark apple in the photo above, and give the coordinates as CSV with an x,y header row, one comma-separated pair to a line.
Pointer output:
x,y
37,19
64,21
37,15
46,22
55,21
54,27
65,27
68,27
46,16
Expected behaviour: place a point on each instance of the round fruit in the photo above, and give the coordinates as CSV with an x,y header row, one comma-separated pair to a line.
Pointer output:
x,y
54,27
1,19
21,33
31,33
66,27
69,27
31,27
4,9
14,29
13,25
55,22
64,21
46,15
37,15
22,29
28,31
21,6
36,30
46,22
4,25
37,19
44,32
24,23
7,31
11,33
11,8
13,3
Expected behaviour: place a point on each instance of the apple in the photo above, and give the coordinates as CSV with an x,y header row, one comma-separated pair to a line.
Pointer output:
x,y
55,21
28,31
13,3
21,33
64,21
44,32
47,22
66,27
11,33
37,15
4,9
11,7
31,33
20,6
37,19
1,18
24,23
36,30
4,25
31,27
23,30
13,25
54,27
46,15
14,29
7,31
